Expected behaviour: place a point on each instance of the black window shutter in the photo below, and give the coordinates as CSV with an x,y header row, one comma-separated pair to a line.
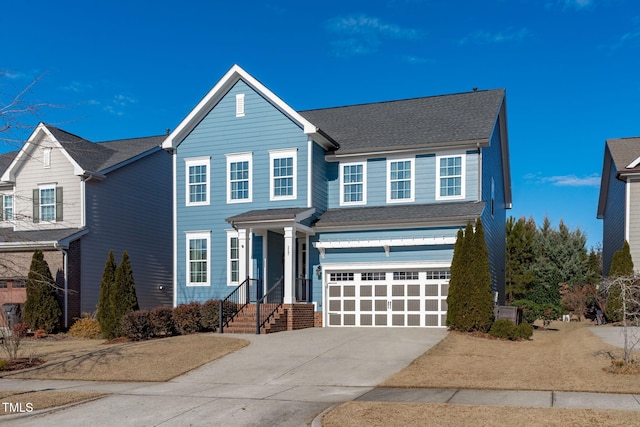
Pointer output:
x,y
36,205
58,203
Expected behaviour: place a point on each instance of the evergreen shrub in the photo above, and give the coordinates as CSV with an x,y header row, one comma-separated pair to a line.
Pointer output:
x,y
503,328
209,315
161,321
524,331
86,327
136,325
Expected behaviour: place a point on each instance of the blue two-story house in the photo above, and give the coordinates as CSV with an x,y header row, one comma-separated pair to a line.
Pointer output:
x,y
353,211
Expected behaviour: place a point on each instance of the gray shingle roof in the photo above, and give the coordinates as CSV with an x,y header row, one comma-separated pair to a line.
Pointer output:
x,y
103,155
8,235
399,214
410,123
623,152
267,215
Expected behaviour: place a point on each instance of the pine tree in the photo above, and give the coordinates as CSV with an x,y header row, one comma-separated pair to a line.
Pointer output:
x,y
520,257
106,316
41,308
621,265
453,296
481,300
123,298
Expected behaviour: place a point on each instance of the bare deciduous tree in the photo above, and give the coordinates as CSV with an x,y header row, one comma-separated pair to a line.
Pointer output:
x,y
629,288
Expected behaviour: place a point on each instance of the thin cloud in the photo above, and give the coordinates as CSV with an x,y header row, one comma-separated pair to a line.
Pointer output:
x,y
77,87
572,4
362,34
119,104
488,37
571,180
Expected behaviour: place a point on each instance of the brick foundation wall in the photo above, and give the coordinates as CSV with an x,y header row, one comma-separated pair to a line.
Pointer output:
x,y
317,319
299,316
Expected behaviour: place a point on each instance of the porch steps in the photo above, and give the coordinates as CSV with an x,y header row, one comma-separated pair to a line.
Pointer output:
x,y
245,322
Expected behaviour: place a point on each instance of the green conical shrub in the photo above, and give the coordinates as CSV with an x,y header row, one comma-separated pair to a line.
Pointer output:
x,y
41,308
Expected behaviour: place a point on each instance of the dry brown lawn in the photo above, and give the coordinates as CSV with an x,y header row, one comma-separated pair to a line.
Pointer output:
x,y
95,360
568,357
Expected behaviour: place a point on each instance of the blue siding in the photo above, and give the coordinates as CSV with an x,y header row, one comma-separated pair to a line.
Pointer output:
x,y
320,175
495,225
263,128
424,184
614,218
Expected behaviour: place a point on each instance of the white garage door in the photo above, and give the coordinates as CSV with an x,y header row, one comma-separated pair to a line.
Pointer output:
x,y
387,298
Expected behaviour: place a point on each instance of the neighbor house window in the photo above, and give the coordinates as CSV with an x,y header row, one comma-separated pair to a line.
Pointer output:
x,y
400,180
198,258
197,178
47,203
450,176
353,183
239,177
233,258
7,207
283,174
46,157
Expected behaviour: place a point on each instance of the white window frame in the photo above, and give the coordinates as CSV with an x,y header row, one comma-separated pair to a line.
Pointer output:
x,y
235,158
198,235
197,161
364,183
283,154
240,105
46,157
232,234
463,172
412,181
41,188
4,207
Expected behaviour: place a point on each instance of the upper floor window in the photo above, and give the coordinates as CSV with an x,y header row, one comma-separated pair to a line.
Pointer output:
x,y
46,157
197,181
239,177
283,174
198,258
240,105
400,178
47,203
353,183
7,207
450,177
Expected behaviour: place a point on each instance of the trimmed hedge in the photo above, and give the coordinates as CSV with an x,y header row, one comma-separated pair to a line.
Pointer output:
x,y
505,329
186,318
86,327
136,325
162,322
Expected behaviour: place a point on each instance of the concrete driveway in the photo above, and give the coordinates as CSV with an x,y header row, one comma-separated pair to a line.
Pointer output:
x,y
283,379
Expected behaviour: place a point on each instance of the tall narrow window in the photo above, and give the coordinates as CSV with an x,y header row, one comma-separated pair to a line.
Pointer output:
x,y
197,171
283,174
233,257
240,105
198,250
239,177
7,207
400,180
46,157
353,183
450,177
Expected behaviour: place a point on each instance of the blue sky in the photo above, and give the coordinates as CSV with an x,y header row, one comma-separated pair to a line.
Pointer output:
x,y
571,68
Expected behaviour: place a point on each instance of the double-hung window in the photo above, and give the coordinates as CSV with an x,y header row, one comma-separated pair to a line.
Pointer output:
x,y
47,203
450,176
198,258
400,179
239,177
353,183
283,174
7,207
197,171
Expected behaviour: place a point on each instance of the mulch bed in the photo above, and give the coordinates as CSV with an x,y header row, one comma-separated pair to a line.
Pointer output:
x,y
23,363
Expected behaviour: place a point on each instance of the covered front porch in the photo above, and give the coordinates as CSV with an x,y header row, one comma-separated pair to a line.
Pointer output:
x,y
270,257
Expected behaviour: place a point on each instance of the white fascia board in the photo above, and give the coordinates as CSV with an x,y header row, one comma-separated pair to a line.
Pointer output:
x,y
363,266
219,90
430,149
633,164
372,243
28,245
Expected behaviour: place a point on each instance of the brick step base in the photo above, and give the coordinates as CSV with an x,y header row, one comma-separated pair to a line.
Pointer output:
x,y
287,317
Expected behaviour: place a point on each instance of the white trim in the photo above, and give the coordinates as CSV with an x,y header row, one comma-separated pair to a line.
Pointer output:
x,y
197,161
55,205
3,195
627,213
364,183
237,158
382,243
232,234
240,105
174,237
283,154
46,157
193,235
309,172
463,176
633,164
412,181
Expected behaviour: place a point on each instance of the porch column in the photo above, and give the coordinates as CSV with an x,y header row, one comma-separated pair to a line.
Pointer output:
x,y
243,255
289,264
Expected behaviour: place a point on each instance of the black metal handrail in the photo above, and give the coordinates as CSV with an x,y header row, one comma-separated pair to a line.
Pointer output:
x,y
269,304
238,298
